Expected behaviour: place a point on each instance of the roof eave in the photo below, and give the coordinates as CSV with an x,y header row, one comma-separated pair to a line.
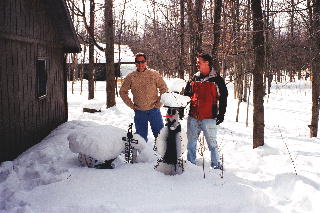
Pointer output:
x,y
59,13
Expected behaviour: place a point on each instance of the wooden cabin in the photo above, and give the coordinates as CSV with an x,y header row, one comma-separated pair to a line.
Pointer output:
x,y
35,36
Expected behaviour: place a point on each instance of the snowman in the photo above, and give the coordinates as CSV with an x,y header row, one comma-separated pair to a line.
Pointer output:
x,y
171,142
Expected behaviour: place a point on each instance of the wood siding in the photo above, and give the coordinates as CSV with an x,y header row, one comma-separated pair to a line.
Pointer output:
x,y
26,34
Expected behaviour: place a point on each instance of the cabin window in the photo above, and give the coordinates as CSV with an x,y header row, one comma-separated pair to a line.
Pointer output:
x,y
41,67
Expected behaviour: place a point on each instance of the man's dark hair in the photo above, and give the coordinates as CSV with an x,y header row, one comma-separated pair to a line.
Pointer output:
x,y
207,57
141,54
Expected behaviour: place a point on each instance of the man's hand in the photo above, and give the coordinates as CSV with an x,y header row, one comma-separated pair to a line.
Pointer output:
x,y
220,119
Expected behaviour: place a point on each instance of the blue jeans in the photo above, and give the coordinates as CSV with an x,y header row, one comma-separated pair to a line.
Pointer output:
x,y
141,119
209,128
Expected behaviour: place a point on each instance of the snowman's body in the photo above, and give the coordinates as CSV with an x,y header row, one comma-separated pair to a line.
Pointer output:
x,y
171,144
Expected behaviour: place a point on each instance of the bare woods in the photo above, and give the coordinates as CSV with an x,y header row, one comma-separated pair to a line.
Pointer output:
x,y
254,42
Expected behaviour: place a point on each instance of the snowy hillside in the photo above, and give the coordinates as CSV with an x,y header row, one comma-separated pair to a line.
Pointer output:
x,y
281,176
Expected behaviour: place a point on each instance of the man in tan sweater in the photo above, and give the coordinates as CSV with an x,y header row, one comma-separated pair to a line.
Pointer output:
x,y
145,85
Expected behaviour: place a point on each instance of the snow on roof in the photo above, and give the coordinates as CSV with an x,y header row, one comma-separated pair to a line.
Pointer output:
x,y
126,54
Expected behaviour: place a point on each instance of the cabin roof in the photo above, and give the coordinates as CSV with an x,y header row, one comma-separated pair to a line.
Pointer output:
x,y
59,13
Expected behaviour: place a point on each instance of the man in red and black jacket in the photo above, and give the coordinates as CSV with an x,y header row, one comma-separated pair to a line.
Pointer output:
x,y
208,94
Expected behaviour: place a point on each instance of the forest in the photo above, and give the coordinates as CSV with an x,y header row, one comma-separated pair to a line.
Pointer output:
x,y
254,43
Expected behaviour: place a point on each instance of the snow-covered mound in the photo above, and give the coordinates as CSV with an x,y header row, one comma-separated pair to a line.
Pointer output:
x,y
105,143
146,153
172,99
93,104
100,142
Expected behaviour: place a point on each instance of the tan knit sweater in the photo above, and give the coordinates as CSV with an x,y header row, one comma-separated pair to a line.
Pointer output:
x,y
145,87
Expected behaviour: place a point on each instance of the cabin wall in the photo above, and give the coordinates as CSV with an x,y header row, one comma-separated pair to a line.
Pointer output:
x,y
27,34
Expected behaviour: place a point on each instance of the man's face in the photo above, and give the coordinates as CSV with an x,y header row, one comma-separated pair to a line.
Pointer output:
x,y
141,63
203,66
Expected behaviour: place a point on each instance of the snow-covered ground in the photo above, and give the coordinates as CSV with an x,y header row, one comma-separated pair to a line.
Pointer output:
x,y
281,176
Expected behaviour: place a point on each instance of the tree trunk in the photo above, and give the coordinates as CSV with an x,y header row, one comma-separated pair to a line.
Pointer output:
x,y
315,102
74,68
247,63
248,102
82,67
196,28
119,46
91,53
109,52
216,33
199,24
192,45
258,89
268,50
315,68
70,68
182,28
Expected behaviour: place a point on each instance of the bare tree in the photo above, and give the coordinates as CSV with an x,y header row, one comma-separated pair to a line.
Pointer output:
x,y
216,33
73,57
258,89
182,29
91,51
195,30
268,47
122,22
87,37
109,53
192,32
199,24
315,36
